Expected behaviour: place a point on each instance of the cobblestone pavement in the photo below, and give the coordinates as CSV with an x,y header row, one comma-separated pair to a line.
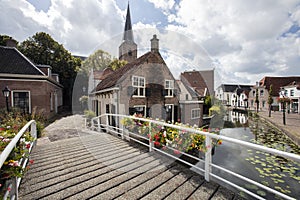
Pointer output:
x,y
66,127
292,127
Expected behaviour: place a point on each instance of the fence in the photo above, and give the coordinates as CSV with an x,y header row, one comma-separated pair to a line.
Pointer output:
x,y
14,182
112,123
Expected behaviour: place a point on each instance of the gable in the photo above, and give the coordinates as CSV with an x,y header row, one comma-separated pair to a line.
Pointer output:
x,y
116,77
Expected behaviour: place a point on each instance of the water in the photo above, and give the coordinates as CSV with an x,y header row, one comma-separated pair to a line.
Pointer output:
x,y
269,170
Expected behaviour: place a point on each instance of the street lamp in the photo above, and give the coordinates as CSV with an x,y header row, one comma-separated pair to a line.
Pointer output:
x,y
6,92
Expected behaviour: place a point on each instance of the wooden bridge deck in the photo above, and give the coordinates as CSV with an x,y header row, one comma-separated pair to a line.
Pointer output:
x,y
101,166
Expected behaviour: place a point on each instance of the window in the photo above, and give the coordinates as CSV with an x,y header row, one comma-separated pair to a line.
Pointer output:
x,y
138,84
140,110
196,113
285,92
169,88
261,92
291,93
21,100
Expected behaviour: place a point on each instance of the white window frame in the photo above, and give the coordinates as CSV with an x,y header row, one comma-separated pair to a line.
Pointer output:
x,y
142,106
29,98
292,92
138,86
169,88
196,113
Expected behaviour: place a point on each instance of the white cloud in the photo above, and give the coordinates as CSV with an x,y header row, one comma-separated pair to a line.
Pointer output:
x,y
163,4
245,37
80,27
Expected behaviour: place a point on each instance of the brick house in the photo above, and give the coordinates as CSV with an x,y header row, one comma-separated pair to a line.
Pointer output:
x,y
31,86
145,85
263,87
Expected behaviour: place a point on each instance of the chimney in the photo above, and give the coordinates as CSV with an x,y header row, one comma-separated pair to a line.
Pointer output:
x,y
154,44
11,43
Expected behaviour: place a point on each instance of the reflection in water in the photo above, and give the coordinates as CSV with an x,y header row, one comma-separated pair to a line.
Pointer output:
x,y
270,170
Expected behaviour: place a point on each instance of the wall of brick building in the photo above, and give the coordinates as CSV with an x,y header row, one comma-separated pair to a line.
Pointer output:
x,y
40,94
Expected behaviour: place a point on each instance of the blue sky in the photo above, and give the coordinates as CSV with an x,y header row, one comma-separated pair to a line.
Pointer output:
x,y
243,40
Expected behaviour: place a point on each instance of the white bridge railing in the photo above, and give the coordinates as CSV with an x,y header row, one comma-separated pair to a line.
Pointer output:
x,y
102,123
14,182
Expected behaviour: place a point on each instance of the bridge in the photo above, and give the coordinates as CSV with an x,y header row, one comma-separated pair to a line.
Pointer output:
x,y
107,162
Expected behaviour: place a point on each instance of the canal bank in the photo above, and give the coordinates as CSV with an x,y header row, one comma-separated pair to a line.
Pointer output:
x,y
292,127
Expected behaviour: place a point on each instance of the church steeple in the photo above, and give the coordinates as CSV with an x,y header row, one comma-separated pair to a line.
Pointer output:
x,y
128,49
128,34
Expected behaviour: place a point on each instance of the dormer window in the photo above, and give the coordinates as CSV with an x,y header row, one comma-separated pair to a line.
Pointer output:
x,y
138,84
130,53
169,86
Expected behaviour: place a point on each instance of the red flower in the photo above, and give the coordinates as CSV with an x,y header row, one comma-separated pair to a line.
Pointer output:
x,y
219,142
31,161
156,143
8,189
28,146
176,152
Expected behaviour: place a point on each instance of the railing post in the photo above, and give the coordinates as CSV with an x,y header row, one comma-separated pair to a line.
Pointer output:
x,y
208,159
14,190
122,131
33,131
98,121
149,135
107,124
92,124
85,123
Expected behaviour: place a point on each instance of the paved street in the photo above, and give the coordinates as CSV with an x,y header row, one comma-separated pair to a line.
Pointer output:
x,y
292,127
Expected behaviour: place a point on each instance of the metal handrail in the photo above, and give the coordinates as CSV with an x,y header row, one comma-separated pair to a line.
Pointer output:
x,y
13,193
208,160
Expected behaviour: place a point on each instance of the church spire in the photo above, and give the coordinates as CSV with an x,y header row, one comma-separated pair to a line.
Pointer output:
x,y
128,49
128,34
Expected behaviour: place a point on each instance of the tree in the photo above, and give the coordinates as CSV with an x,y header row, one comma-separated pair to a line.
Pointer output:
x,y
43,49
100,60
270,99
256,100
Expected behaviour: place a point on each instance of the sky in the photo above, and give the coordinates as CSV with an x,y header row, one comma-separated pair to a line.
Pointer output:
x,y
243,41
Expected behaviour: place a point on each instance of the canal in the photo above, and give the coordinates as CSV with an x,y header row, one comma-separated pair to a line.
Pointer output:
x,y
270,170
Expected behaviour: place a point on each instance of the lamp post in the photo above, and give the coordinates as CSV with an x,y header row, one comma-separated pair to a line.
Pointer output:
x,y
6,92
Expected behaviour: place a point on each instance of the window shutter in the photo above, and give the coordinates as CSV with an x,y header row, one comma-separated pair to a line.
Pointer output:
x,y
148,92
130,90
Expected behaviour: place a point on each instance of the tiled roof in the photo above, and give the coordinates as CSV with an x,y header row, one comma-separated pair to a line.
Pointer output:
x,y
14,62
112,79
101,74
196,81
277,82
233,87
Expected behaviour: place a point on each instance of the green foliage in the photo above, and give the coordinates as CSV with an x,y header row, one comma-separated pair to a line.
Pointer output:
x,y
169,138
43,49
11,124
270,99
116,64
208,101
89,114
100,60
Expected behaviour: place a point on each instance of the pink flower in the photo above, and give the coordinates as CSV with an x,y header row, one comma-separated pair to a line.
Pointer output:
x,y
8,189
176,152
31,161
28,146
